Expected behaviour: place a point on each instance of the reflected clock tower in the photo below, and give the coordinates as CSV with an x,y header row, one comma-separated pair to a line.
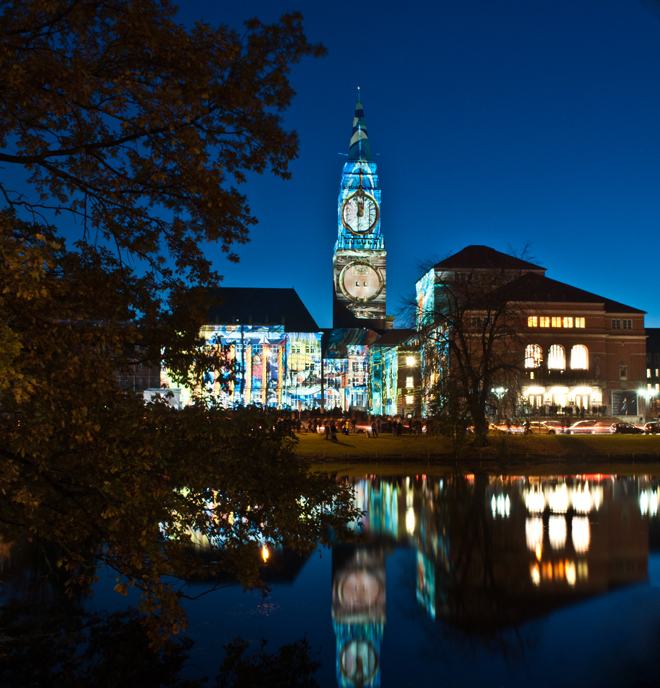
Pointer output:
x,y
359,278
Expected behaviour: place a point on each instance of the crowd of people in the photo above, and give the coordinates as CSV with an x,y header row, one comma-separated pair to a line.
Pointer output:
x,y
331,426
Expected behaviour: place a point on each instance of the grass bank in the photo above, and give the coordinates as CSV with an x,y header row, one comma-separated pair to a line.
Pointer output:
x,y
540,453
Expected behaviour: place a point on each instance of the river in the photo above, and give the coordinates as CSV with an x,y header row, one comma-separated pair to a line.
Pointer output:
x,y
459,581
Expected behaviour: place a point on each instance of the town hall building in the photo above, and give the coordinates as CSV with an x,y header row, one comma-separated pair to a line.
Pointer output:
x,y
576,349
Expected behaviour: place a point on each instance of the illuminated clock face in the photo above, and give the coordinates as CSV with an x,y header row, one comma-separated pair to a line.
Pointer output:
x,y
360,281
359,214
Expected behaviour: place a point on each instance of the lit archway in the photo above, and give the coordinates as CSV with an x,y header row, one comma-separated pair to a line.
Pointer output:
x,y
533,356
556,357
579,357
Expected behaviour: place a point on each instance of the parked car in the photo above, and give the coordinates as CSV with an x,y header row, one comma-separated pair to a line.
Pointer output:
x,y
546,427
626,429
582,427
651,428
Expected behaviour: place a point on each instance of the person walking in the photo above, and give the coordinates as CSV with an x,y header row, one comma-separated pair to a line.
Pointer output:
x,y
327,430
333,431
374,428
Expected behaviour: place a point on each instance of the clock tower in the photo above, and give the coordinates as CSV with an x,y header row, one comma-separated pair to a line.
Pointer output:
x,y
359,258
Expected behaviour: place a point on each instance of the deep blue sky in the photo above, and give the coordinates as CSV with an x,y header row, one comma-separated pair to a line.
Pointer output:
x,y
497,123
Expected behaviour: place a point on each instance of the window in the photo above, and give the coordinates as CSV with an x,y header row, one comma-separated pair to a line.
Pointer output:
x,y
623,371
556,322
579,322
409,381
648,372
409,399
627,324
616,324
544,321
532,321
410,360
533,356
567,322
579,357
557,358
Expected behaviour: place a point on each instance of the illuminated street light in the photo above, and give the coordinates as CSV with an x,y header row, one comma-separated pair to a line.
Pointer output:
x,y
648,393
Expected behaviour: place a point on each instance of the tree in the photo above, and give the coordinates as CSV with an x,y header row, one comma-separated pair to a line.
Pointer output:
x,y
135,126
469,321
119,484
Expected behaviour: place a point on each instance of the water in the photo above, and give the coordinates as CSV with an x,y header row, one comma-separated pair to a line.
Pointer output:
x,y
463,581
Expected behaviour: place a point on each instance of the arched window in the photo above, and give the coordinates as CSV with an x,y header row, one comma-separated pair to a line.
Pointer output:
x,y
556,357
533,356
579,357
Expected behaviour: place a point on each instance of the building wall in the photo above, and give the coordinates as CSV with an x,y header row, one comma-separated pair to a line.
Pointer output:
x,y
272,367
616,358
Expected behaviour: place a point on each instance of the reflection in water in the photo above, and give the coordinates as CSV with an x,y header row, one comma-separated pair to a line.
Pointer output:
x,y
486,556
358,613
491,553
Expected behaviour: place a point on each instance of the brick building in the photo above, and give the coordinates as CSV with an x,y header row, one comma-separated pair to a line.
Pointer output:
x,y
578,353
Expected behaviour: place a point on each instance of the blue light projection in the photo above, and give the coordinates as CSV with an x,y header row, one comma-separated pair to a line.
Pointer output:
x,y
273,367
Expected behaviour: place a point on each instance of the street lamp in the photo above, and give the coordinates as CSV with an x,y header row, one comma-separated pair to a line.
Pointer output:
x,y
648,393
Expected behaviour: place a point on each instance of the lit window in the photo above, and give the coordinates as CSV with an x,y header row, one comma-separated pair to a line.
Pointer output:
x,y
556,322
544,321
533,356
579,357
567,322
532,321
409,399
556,358
579,322
410,360
648,372
409,381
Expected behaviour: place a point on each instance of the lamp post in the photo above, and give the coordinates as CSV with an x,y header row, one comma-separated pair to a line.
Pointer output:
x,y
499,392
648,394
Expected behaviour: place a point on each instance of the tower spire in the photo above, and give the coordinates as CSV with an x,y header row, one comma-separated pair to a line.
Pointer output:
x,y
359,148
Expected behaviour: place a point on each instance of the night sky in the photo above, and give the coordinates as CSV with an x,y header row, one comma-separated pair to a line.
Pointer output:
x,y
496,123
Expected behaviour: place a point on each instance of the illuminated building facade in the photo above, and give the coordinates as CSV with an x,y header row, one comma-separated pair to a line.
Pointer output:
x,y
578,352
346,368
359,260
395,381
275,347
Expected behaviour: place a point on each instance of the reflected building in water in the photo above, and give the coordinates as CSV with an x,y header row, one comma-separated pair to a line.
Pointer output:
x,y
490,553
358,613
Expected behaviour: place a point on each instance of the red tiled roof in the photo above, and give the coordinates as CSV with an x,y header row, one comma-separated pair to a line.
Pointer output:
x,y
483,257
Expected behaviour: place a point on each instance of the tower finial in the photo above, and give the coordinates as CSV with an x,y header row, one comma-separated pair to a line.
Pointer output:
x,y
359,148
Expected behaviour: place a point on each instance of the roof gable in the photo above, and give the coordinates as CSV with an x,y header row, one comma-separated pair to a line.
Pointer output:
x,y
477,257
261,306
534,287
